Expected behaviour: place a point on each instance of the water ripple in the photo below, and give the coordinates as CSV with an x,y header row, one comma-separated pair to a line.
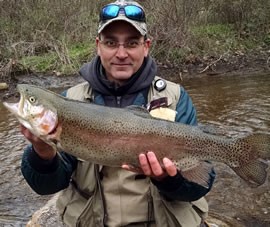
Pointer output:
x,y
236,105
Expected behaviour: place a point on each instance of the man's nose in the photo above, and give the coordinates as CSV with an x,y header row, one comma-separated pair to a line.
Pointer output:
x,y
121,52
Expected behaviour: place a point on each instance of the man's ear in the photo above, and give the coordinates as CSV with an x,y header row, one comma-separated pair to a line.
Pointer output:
x,y
147,44
97,45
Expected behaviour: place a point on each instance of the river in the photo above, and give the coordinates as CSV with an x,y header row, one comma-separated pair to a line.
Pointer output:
x,y
235,105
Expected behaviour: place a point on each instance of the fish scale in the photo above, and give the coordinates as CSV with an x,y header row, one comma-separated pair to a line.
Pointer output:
x,y
116,136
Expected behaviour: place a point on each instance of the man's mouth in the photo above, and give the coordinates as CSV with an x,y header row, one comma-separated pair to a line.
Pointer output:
x,y
121,64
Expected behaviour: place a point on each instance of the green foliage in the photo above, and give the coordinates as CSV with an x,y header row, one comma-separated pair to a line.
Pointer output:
x,y
213,38
44,63
267,40
215,31
77,54
82,51
59,35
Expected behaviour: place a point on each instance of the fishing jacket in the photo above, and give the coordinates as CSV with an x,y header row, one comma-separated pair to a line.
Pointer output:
x,y
95,195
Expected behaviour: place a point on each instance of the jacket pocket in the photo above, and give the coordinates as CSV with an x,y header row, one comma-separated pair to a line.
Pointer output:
x,y
71,203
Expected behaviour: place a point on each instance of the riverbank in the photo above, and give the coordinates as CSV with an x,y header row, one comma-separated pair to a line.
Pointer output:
x,y
257,62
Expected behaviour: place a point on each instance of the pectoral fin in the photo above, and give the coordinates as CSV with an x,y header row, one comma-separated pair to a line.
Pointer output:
x,y
198,174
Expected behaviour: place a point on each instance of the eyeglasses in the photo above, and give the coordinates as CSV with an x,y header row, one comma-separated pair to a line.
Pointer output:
x,y
132,12
129,45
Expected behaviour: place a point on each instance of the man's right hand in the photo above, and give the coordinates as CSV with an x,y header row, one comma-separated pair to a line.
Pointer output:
x,y
44,150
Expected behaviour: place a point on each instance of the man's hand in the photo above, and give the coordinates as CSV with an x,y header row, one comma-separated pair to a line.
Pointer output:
x,y
44,150
151,167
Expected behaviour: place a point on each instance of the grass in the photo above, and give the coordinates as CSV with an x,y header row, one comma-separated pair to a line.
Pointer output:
x,y
49,62
217,31
59,35
214,38
217,39
204,40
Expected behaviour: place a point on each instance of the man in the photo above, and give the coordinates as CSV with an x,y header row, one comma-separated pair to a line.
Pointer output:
x,y
122,74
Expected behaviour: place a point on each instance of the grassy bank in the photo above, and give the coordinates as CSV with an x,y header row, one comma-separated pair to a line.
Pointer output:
x,y
58,36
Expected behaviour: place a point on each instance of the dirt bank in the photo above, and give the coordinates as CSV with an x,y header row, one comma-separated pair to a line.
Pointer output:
x,y
238,64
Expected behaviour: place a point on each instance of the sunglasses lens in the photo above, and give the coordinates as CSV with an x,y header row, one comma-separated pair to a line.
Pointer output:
x,y
109,12
131,11
134,12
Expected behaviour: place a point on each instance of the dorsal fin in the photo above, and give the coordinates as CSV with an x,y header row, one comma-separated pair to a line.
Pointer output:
x,y
139,111
211,129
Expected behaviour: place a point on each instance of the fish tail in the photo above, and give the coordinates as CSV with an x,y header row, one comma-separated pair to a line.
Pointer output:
x,y
254,166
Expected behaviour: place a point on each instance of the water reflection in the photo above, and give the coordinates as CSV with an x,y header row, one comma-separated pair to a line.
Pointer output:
x,y
17,200
237,105
243,102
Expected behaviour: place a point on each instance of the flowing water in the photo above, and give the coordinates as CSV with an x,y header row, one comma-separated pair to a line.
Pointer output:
x,y
236,105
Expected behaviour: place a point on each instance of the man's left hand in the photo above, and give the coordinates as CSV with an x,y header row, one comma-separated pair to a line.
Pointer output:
x,y
151,167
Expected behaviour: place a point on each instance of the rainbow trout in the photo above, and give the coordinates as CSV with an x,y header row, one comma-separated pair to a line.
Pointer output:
x,y
116,136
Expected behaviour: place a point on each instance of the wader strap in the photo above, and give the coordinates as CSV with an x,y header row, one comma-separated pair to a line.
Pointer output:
x,y
101,193
150,208
81,192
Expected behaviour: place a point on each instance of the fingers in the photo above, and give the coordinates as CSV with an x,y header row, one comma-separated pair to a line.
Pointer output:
x,y
132,169
43,149
151,166
29,135
26,132
169,167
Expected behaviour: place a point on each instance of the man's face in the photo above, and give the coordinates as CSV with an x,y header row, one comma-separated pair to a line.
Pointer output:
x,y
121,63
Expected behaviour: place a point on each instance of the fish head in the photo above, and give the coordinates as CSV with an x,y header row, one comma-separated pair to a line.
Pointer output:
x,y
34,110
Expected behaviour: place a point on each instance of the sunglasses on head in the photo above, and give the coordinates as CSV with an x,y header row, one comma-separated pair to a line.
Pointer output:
x,y
132,12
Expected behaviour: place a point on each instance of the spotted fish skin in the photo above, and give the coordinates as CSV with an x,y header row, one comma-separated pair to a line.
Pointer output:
x,y
116,136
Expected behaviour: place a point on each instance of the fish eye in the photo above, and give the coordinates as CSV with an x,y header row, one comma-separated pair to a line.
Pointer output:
x,y
32,99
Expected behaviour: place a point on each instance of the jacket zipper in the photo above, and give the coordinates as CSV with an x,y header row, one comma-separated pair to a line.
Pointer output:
x,y
118,101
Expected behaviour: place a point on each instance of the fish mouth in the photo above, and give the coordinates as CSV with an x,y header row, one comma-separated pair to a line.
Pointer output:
x,y
12,107
16,108
40,122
